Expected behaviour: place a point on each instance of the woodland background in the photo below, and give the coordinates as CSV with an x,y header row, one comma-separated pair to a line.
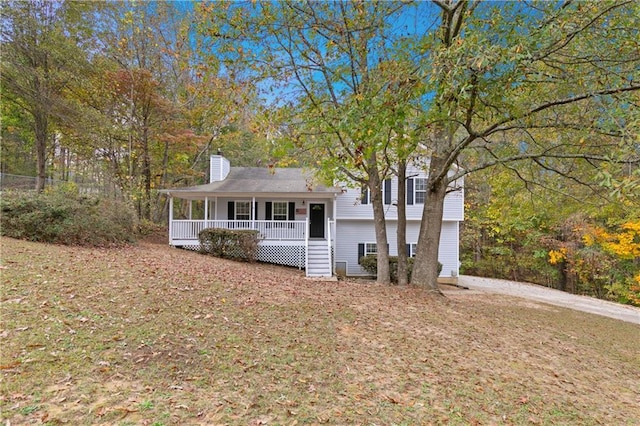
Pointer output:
x,y
131,98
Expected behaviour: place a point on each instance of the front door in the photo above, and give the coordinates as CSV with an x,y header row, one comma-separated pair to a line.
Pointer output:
x,y
316,220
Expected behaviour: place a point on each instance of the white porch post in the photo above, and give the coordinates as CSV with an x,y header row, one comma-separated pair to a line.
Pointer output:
x,y
215,211
190,209
253,213
206,210
170,219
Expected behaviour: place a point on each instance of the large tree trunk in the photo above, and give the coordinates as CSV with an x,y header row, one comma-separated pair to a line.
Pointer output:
x,y
425,267
40,127
402,224
146,174
380,224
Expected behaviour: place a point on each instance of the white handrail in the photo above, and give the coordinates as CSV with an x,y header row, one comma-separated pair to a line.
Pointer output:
x,y
267,229
306,246
329,246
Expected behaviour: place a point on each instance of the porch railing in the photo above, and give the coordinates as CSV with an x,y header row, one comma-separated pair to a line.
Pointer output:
x,y
267,229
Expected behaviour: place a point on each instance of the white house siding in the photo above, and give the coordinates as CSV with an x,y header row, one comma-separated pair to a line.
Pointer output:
x,y
449,254
350,207
352,232
221,207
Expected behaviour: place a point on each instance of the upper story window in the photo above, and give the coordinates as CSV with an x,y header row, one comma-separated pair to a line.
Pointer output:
x,y
365,193
280,210
243,210
420,190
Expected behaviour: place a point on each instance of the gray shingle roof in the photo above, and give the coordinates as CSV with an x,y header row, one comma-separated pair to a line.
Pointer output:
x,y
259,180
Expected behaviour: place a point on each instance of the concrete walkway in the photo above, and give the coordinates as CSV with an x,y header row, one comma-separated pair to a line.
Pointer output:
x,y
553,297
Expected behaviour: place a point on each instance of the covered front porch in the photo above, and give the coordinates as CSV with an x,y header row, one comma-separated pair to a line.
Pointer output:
x,y
294,231
185,232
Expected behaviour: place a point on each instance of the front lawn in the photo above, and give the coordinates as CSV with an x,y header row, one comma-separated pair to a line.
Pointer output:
x,y
159,336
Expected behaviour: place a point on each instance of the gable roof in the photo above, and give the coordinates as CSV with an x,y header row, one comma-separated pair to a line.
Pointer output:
x,y
260,181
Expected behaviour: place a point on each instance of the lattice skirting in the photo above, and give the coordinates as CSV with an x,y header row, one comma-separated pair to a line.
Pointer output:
x,y
279,255
282,255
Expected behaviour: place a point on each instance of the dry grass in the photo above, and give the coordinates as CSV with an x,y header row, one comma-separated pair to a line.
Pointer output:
x,y
158,336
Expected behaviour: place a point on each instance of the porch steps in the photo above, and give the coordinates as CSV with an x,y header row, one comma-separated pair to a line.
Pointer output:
x,y
319,259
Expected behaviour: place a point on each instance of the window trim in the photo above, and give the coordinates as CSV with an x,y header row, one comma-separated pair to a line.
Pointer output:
x,y
365,195
367,252
235,210
386,192
362,250
421,191
286,211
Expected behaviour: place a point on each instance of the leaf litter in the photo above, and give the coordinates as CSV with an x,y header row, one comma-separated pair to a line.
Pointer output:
x,y
150,334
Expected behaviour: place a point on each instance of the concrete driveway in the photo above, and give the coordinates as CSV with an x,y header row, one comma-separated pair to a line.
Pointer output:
x,y
552,297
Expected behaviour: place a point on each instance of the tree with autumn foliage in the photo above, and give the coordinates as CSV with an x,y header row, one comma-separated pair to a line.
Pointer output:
x,y
324,68
45,48
519,85
603,261
513,85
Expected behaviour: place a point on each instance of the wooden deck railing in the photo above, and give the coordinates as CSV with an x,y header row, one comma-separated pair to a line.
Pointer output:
x,y
267,229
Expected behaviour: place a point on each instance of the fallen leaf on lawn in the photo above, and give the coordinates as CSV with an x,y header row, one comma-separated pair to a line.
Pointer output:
x,y
9,366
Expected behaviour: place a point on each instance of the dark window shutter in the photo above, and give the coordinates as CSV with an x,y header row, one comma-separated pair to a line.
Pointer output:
x,y
409,192
255,210
231,206
364,197
360,251
267,211
409,250
292,210
387,191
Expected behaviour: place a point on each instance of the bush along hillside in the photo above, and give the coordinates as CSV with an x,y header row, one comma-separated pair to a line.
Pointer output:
x,y
370,264
62,216
236,244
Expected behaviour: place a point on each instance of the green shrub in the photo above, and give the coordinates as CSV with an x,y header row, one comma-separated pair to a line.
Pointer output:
x,y
64,217
370,264
240,244
147,228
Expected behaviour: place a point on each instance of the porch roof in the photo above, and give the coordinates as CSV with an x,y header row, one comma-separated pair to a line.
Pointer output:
x,y
258,181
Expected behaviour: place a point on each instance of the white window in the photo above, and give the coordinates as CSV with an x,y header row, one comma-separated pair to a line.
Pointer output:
x,y
412,250
280,210
365,195
243,210
370,249
420,189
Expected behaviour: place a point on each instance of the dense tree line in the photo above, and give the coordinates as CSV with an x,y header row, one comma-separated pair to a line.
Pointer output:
x,y
118,95
535,103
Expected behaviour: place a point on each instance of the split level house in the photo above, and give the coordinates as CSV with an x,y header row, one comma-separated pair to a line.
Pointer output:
x,y
324,230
